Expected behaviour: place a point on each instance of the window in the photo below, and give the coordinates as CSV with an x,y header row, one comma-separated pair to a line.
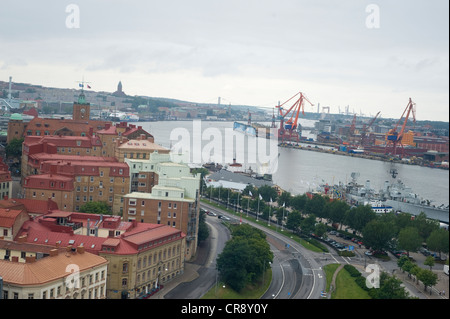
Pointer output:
x,y
124,267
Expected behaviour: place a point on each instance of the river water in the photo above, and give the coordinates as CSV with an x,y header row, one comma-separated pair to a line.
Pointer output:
x,y
294,170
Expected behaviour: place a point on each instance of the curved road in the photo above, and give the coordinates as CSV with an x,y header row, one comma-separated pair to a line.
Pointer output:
x,y
295,273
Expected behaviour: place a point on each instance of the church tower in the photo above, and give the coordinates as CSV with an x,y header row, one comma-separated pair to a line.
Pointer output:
x,y
81,109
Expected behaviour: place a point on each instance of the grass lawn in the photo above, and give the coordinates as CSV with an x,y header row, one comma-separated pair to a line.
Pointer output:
x,y
346,288
250,292
329,269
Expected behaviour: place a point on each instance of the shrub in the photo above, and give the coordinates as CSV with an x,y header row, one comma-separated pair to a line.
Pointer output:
x,y
352,271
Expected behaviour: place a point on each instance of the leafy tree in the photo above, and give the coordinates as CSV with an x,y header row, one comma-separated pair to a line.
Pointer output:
x,y
316,206
203,231
390,288
409,239
308,224
401,261
377,234
294,220
337,210
244,257
96,208
407,266
268,192
358,217
298,202
424,225
320,229
428,278
14,148
284,198
429,261
438,241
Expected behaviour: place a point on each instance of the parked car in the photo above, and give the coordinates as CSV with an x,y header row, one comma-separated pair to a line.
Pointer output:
x,y
425,251
398,253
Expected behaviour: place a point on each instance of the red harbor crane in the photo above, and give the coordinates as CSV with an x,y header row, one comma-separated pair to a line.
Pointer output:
x,y
394,137
288,130
366,128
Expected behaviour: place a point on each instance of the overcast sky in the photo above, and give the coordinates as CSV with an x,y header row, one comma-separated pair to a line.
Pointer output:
x,y
368,55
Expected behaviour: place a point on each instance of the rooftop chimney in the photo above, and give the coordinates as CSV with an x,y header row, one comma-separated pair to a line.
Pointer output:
x,y
30,259
80,249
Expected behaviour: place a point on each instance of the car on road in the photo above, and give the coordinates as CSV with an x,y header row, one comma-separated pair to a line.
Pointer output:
x,y
399,253
210,213
224,217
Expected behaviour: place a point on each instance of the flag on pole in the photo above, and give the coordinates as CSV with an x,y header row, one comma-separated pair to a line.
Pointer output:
x,y
271,199
284,204
80,85
260,197
250,192
88,86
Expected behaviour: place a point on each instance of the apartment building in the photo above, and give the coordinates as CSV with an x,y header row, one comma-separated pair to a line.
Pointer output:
x,y
166,193
71,184
141,256
5,181
139,148
32,271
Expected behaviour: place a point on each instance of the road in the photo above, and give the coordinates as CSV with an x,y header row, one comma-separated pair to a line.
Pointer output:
x,y
207,273
295,272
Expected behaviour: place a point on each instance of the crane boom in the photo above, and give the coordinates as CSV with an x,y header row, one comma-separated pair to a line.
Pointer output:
x,y
395,137
291,123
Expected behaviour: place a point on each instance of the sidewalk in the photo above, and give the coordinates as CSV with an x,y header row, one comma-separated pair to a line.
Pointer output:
x,y
190,270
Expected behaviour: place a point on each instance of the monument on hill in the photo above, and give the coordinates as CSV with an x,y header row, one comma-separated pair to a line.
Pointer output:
x,y
119,91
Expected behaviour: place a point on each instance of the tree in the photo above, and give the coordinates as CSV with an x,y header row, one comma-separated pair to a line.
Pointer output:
x,y
294,220
100,208
320,229
316,206
409,239
358,217
390,288
203,231
284,199
298,202
429,261
307,225
244,257
424,225
428,278
14,148
377,234
438,241
268,192
337,210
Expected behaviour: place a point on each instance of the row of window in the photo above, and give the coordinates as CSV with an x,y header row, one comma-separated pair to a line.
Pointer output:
x,y
95,292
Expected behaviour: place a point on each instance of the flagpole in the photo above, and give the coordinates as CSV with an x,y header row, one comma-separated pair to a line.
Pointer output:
x,y
259,197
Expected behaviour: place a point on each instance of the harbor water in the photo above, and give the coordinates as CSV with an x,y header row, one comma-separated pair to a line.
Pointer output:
x,y
297,170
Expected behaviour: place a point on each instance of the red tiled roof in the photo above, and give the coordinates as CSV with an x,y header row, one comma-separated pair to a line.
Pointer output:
x,y
37,206
126,244
8,217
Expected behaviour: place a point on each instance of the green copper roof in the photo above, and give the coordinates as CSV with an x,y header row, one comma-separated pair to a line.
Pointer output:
x,y
16,116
